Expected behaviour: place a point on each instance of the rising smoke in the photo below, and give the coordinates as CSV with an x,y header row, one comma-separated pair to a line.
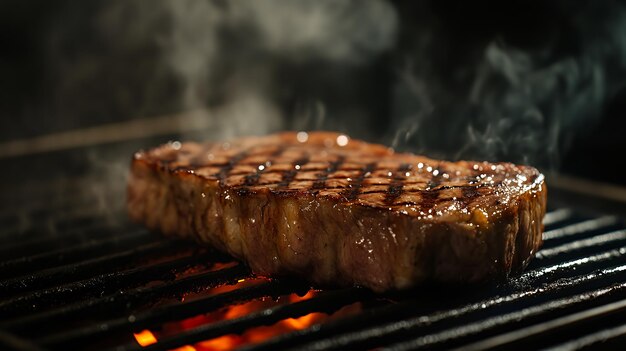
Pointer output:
x,y
238,61
230,56
452,87
500,98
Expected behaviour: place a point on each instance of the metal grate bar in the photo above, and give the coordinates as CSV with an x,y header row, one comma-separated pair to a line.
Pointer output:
x,y
550,326
99,285
172,312
87,285
74,253
597,240
407,328
557,216
585,227
327,302
390,330
129,299
525,282
44,243
616,334
373,317
552,272
509,318
89,268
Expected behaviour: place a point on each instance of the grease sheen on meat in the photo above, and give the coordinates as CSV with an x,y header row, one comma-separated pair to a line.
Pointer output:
x,y
340,211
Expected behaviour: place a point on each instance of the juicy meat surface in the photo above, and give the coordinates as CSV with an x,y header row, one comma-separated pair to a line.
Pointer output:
x,y
340,211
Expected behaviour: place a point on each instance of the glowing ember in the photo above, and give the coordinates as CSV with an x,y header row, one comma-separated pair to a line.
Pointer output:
x,y
222,343
304,321
145,338
250,336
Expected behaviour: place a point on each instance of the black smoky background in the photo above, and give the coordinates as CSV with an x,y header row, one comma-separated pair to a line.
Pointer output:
x,y
535,82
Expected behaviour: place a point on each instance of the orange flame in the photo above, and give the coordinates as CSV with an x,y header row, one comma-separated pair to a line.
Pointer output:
x,y
250,336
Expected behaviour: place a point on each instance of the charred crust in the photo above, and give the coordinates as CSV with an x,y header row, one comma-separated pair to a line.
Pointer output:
x,y
330,184
243,191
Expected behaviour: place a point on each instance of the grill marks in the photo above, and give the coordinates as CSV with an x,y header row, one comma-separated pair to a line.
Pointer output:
x,y
289,175
470,193
428,196
253,179
323,176
436,177
225,170
278,166
352,193
431,195
395,187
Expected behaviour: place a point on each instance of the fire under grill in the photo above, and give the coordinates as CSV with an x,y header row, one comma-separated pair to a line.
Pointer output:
x,y
73,278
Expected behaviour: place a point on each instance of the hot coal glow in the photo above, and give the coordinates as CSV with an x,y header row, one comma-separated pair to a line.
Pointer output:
x,y
145,338
250,336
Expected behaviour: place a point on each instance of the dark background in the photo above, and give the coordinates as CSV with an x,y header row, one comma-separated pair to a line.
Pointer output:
x,y
535,82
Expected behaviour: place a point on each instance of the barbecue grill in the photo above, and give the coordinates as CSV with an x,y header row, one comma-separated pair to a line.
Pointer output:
x,y
75,274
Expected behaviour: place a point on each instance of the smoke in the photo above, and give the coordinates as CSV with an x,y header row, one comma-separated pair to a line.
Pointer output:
x,y
499,98
229,57
420,76
247,65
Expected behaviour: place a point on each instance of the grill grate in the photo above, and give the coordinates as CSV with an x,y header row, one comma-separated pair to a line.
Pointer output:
x,y
71,278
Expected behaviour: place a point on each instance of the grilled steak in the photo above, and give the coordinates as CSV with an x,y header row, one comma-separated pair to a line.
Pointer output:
x,y
340,211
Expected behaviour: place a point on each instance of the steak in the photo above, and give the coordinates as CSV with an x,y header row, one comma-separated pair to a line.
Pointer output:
x,y
342,212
